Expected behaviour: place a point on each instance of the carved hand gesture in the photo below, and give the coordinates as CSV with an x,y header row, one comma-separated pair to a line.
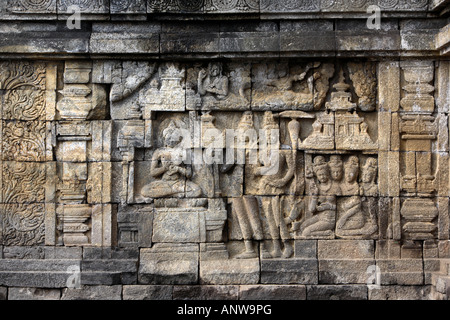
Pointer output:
x,y
314,190
202,74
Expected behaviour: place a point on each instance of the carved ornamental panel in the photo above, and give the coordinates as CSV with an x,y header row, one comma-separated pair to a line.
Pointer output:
x,y
254,163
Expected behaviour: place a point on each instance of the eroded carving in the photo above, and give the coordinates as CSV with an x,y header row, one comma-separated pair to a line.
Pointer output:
x,y
23,224
363,76
280,86
213,88
166,92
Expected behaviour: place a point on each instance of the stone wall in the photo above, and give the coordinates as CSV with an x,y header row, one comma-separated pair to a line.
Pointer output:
x,y
246,149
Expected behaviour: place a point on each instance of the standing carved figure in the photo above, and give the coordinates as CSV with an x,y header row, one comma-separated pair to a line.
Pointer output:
x,y
246,208
274,184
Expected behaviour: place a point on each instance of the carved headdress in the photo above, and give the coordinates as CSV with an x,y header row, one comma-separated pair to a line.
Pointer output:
x,y
246,121
335,162
371,165
353,162
269,122
172,129
319,164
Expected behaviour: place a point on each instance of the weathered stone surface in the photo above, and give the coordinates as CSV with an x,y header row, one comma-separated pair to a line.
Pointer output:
x,y
210,149
3,293
299,36
126,270
93,293
401,272
31,37
272,292
33,294
147,292
341,292
230,272
176,38
38,279
344,271
400,293
125,38
346,249
206,292
249,37
292,271
63,253
176,264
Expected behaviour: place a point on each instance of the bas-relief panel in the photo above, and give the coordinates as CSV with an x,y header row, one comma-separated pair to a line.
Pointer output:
x,y
227,154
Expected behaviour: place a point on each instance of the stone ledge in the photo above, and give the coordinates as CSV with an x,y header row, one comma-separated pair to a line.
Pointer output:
x,y
443,40
228,39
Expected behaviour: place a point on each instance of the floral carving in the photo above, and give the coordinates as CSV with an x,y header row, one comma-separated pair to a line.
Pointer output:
x,y
23,182
24,104
22,75
24,85
23,224
24,141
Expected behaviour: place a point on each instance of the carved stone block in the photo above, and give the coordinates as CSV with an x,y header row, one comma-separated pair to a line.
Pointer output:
x,y
289,6
87,7
272,292
283,86
188,225
175,6
401,272
218,86
24,141
41,7
169,264
292,271
128,6
24,182
230,272
135,225
23,224
232,6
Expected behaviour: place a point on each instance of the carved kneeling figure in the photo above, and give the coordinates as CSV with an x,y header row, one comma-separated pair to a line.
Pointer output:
x,y
321,224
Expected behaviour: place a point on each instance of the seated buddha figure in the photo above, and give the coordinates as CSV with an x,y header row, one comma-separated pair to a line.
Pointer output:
x,y
167,166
